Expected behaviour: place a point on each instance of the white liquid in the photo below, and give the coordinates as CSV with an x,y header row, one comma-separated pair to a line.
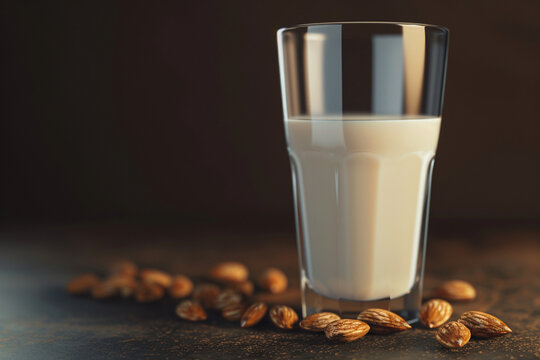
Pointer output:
x,y
361,186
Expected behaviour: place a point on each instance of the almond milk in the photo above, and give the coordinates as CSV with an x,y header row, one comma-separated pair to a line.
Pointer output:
x,y
361,185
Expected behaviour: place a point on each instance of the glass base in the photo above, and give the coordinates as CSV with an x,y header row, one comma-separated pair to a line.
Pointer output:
x,y
406,306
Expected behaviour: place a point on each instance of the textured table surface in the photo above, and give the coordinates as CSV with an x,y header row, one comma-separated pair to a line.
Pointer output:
x,y
39,320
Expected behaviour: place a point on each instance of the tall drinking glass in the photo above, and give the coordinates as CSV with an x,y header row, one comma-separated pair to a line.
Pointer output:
x,y
362,107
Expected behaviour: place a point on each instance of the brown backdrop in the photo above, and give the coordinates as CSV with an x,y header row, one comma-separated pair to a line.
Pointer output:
x,y
170,110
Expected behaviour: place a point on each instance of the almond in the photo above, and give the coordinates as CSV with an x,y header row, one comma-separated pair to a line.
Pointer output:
x,y
206,294
181,286
115,286
283,316
318,322
227,297
483,325
83,284
273,280
383,321
190,310
253,314
123,268
435,312
104,290
456,290
149,292
346,330
155,276
122,285
453,335
233,312
229,271
245,287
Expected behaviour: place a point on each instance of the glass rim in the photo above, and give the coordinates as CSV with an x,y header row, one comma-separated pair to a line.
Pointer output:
x,y
395,23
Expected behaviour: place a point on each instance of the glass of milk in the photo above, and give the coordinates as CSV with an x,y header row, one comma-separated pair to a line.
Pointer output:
x,y
362,106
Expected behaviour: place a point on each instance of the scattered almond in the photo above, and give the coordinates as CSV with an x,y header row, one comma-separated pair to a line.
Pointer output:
x,y
346,330
104,290
456,290
227,297
123,268
149,292
206,294
318,322
483,325
181,286
122,285
155,276
383,321
273,280
453,335
245,287
83,284
229,271
253,314
435,312
190,310
233,312
283,316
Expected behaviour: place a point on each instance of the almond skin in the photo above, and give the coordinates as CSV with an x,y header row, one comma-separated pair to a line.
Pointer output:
x,y
229,271
181,286
346,330
191,311
83,284
318,322
104,290
253,314
155,276
227,297
483,325
206,294
456,290
283,317
435,312
233,312
123,268
149,292
453,335
273,280
123,285
245,287
116,285
383,321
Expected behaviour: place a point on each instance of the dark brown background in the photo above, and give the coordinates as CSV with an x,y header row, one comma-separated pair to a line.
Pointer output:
x,y
170,110
166,116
